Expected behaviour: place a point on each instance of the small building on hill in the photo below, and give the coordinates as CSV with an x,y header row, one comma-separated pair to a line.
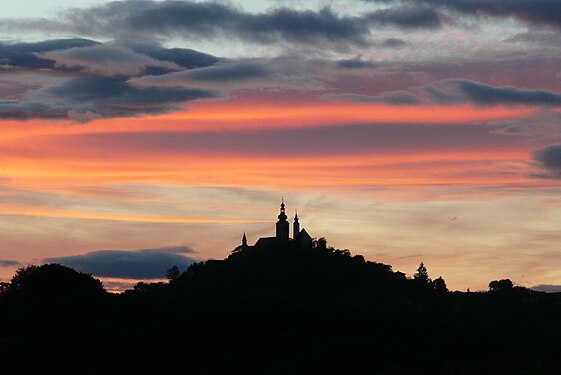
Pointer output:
x,y
300,238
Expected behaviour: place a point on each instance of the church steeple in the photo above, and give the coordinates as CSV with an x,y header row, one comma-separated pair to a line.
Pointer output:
x,y
296,229
282,215
244,240
282,224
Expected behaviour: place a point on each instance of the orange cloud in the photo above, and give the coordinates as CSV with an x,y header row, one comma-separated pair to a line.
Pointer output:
x,y
467,167
235,115
60,156
36,211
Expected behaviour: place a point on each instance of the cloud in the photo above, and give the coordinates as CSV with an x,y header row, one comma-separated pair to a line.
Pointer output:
x,y
547,288
543,12
283,73
25,55
546,124
335,140
207,20
407,17
394,43
220,74
392,98
137,264
185,57
9,263
549,159
459,90
81,80
92,97
107,60
12,90
549,38
356,63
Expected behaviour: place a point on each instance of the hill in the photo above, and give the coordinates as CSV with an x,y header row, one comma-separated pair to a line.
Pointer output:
x,y
276,311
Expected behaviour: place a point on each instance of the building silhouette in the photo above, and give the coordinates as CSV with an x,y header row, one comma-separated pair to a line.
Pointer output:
x,y
300,238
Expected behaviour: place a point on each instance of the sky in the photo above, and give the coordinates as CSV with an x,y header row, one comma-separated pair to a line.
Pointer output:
x,y
138,135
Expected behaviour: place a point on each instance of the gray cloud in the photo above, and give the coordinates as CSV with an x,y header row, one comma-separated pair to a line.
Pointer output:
x,y
408,17
138,264
393,98
210,19
138,20
546,124
548,38
226,72
99,96
458,90
107,60
543,12
93,82
185,57
549,159
283,73
9,263
547,288
356,63
91,56
24,55
218,76
394,43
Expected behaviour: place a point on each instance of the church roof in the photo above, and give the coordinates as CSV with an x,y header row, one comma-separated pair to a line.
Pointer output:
x,y
266,242
303,233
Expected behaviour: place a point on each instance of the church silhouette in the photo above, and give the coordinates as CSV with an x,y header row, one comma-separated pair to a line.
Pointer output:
x,y
301,239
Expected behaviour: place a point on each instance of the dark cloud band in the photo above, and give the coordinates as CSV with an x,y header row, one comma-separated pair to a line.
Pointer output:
x,y
211,19
139,264
549,159
9,263
542,12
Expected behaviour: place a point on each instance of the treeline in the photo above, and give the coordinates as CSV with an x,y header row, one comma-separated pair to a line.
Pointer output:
x,y
276,311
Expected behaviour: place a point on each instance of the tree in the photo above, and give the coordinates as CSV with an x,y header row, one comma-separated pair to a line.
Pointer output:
x,y
54,284
440,285
422,275
320,243
500,286
173,273
4,287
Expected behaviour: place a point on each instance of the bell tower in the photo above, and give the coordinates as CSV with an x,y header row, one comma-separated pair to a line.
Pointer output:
x,y
282,224
296,229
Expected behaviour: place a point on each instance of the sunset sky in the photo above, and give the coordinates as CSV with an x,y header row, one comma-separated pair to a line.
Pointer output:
x,y
137,135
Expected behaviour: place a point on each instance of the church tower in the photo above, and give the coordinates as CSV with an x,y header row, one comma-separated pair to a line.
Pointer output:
x,y
296,228
282,224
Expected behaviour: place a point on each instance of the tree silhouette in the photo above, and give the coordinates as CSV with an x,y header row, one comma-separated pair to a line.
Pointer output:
x,y
422,275
4,287
500,286
440,285
173,273
53,279
320,244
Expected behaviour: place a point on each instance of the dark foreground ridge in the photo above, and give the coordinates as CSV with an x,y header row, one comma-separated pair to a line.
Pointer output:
x,y
282,310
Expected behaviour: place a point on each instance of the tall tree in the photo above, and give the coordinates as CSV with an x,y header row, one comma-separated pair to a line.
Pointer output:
x,y
422,275
440,285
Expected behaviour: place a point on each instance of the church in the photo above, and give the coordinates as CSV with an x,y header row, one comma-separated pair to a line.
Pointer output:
x,y
300,238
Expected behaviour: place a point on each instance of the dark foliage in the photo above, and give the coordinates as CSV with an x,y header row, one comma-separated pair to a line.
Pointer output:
x,y
276,311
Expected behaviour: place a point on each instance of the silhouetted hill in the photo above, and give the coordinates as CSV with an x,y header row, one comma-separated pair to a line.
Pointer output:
x,y
277,311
